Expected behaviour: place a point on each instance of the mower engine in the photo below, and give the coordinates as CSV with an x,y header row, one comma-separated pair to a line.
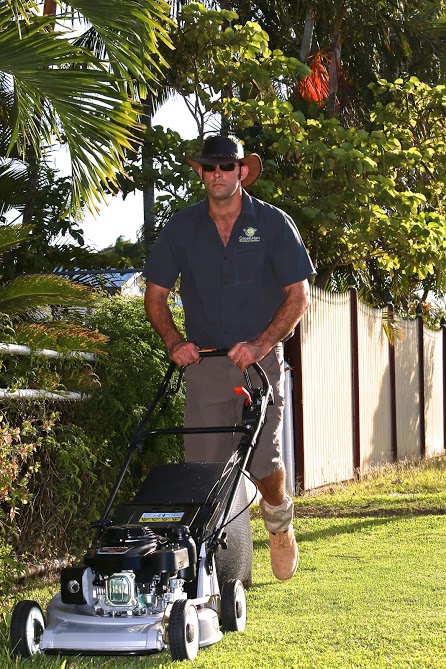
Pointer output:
x,y
132,571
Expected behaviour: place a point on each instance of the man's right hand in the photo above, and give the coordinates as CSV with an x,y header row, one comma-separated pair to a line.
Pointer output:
x,y
184,353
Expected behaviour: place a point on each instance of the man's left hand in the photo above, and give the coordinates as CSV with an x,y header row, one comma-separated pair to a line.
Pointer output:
x,y
245,353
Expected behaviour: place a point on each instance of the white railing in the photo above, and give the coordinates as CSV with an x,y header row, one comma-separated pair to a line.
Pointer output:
x,y
35,393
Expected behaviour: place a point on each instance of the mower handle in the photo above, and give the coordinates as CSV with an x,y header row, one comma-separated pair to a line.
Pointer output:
x,y
214,352
266,398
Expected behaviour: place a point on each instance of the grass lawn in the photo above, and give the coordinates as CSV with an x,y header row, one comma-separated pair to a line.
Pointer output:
x,y
370,592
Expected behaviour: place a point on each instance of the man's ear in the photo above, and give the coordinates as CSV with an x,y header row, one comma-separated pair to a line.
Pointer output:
x,y
244,171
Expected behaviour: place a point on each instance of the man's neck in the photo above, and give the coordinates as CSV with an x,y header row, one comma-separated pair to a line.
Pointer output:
x,y
227,207
224,213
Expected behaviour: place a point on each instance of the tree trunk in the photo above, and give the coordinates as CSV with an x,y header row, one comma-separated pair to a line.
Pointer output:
x,y
49,8
335,68
227,91
307,38
148,191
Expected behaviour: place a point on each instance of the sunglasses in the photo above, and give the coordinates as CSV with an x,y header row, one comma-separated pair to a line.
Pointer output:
x,y
227,167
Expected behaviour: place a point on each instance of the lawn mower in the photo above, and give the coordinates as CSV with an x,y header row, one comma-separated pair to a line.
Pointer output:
x,y
167,569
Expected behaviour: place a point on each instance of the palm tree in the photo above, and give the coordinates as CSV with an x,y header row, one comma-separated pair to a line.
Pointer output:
x,y
64,92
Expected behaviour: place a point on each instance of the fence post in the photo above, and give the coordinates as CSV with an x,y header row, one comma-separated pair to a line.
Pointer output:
x,y
294,354
443,331
354,343
420,328
392,377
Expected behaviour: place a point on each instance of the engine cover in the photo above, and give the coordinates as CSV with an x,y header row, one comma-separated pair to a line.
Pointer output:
x,y
138,549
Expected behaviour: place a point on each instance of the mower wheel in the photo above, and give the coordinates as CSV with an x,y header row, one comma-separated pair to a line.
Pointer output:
x,y
27,626
184,630
233,606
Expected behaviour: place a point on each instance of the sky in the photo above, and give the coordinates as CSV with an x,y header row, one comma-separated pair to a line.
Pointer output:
x,y
125,217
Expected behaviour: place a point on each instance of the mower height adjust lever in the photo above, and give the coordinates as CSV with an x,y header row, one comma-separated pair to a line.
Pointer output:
x,y
241,390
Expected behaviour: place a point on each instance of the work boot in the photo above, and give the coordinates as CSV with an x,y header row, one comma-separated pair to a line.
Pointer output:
x,y
284,554
283,547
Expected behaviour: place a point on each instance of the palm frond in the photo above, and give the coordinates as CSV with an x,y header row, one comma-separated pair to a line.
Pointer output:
x,y
131,31
96,116
24,293
60,337
13,179
12,235
62,89
22,9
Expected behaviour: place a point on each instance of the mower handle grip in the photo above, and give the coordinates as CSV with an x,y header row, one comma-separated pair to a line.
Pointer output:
x,y
211,352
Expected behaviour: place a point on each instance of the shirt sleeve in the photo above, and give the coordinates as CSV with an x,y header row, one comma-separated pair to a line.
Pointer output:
x,y
162,266
291,260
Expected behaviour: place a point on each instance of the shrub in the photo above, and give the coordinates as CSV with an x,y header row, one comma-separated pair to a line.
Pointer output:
x,y
65,457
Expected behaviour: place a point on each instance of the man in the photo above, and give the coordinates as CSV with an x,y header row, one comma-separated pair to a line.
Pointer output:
x,y
244,286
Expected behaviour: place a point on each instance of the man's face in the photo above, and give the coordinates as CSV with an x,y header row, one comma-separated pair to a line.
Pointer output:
x,y
222,184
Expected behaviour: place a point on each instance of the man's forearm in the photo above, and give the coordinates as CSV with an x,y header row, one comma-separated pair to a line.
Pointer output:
x,y
182,352
286,317
160,317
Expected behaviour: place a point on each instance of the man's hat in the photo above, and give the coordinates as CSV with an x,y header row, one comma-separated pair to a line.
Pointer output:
x,y
220,149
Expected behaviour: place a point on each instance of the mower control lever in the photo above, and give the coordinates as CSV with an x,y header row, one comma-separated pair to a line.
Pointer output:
x,y
241,390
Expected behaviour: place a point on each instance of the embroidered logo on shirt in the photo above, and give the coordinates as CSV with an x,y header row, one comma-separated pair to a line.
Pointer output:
x,y
250,235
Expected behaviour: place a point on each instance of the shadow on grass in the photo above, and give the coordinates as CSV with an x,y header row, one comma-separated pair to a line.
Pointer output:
x,y
384,506
378,509
346,528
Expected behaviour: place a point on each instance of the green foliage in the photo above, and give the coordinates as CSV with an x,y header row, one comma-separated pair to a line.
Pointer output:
x,y
369,201
68,336
382,39
46,247
18,444
211,47
123,253
47,469
25,292
130,375
63,500
44,298
58,462
43,373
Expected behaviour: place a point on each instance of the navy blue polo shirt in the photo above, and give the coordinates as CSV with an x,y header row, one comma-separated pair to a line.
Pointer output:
x,y
229,294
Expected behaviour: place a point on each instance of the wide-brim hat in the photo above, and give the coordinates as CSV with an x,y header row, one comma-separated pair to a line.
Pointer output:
x,y
220,150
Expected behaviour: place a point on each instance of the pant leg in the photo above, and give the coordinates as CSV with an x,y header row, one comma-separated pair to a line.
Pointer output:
x,y
212,402
267,456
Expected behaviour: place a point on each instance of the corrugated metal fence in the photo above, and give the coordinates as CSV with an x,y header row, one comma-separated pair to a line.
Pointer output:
x,y
359,401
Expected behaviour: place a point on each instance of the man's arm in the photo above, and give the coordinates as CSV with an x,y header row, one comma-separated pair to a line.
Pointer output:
x,y
158,313
287,316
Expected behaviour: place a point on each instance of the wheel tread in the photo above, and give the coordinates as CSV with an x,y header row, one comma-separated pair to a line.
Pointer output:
x,y
177,641
229,620
19,645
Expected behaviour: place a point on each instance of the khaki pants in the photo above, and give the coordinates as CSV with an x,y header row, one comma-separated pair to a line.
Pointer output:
x,y
211,401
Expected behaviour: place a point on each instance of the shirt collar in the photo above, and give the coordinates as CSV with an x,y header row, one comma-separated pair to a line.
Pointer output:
x,y
247,210
248,205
